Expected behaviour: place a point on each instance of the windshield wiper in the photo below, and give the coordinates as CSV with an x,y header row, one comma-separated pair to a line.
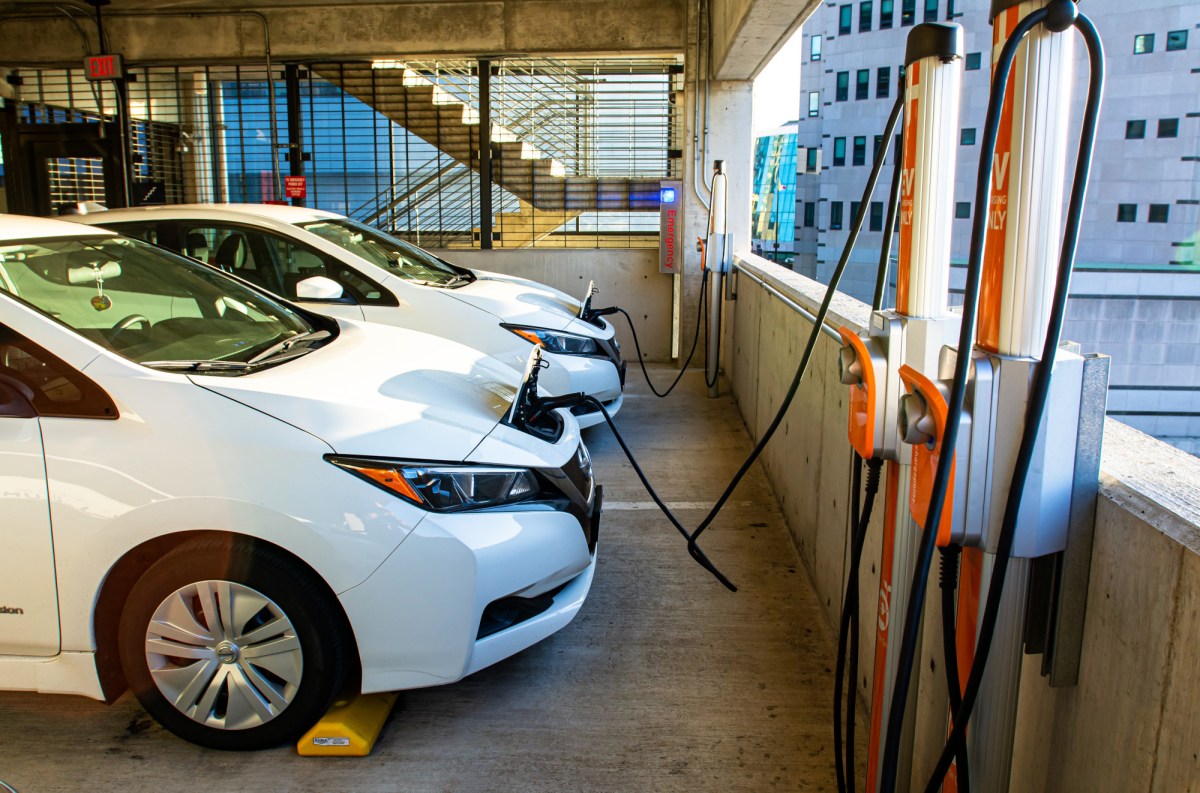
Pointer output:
x,y
198,366
458,279
287,344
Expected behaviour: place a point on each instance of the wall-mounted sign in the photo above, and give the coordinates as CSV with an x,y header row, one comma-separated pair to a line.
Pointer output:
x,y
295,186
104,67
670,226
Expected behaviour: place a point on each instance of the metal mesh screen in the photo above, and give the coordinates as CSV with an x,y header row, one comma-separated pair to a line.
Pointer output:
x,y
578,146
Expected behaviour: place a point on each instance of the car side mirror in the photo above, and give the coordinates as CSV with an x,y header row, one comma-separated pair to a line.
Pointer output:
x,y
16,399
318,287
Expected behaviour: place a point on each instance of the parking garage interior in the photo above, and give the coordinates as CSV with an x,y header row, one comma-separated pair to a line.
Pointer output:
x,y
538,139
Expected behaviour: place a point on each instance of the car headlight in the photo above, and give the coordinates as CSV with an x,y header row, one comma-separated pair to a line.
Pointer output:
x,y
556,341
445,488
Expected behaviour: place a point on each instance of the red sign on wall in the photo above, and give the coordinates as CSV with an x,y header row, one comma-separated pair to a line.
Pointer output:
x,y
295,186
104,67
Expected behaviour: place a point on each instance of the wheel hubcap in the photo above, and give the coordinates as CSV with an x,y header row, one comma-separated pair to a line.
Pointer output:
x,y
224,654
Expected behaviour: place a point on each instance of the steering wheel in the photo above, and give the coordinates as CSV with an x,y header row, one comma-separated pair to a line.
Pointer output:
x,y
127,323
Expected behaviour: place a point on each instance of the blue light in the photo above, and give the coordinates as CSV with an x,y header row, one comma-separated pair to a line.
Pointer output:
x,y
667,195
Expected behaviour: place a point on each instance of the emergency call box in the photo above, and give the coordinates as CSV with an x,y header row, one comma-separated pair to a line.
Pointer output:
x,y
670,226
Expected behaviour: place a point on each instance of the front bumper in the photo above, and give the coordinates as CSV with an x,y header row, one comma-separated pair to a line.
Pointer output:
x,y
419,620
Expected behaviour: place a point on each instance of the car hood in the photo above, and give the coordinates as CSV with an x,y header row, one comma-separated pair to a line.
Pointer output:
x,y
522,302
383,391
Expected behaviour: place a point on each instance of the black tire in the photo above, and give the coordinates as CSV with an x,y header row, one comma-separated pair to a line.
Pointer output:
x,y
255,569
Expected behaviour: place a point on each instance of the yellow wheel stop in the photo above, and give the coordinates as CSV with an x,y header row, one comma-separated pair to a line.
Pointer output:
x,y
350,728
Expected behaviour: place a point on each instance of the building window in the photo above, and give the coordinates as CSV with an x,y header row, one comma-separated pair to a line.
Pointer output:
x,y
878,148
931,10
814,103
839,151
835,215
843,87
908,12
962,210
854,205
864,17
885,14
810,162
1168,128
1176,40
860,150
1135,129
967,136
862,84
845,16
1126,213
883,82
876,216
950,14
814,48
1143,43
1158,213
974,61
810,214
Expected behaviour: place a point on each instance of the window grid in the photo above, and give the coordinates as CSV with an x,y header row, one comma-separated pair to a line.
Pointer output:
x,y
1143,43
908,12
835,215
860,150
845,18
839,151
814,48
814,103
931,10
862,84
885,14
883,82
864,16
843,87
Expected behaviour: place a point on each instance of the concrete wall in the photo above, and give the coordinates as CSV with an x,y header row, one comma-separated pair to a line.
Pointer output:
x,y
1131,724
358,30
626,278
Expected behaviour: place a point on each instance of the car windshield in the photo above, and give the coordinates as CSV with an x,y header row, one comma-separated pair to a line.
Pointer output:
x,y
388,253
149,305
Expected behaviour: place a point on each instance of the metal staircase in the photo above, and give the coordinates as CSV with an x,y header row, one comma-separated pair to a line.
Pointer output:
x,y
543,141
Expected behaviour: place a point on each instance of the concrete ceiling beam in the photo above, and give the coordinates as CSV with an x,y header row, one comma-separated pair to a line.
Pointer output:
x,y
748,33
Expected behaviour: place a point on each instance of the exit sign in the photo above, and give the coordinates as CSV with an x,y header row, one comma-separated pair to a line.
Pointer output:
x,y
103,67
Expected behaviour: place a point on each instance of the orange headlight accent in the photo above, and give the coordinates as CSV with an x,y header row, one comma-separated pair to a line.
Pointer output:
x,y
391,479
529,336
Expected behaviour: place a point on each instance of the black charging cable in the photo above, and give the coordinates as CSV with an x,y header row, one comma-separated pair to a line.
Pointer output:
x,y
949,585
1062,15
847,663
693,546
700,316
818,323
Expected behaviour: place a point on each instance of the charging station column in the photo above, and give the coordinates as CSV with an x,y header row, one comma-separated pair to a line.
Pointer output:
x,y
913,334
1019,272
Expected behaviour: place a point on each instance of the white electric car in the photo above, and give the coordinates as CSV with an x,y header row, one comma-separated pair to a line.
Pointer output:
x,y
382,279
234,506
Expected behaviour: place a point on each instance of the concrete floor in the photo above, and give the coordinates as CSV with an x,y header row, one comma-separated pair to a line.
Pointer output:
x,y
664,682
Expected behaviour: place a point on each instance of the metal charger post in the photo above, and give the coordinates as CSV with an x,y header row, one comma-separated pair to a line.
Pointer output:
x,y
720,253
911,334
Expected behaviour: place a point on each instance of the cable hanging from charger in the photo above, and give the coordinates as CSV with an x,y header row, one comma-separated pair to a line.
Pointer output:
x,y
966,341
1061,18
1060,14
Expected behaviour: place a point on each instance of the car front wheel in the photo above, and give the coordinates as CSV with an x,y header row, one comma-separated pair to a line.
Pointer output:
x,y
232,645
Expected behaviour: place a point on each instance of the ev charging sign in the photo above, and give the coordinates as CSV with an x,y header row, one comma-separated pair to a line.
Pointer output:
x,y
670,226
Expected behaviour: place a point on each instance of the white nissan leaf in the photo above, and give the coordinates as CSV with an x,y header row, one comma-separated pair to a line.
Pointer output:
x,y
234,507
343,268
